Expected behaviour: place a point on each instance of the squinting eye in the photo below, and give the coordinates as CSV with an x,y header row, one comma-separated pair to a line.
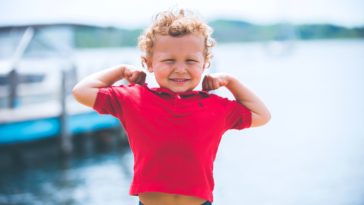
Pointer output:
x,y
191,61
168,61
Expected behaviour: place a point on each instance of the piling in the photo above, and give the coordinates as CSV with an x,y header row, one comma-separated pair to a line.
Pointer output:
x,y
65,135
13,81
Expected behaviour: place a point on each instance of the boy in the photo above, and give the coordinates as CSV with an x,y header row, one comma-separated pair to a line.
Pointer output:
x,y
174,131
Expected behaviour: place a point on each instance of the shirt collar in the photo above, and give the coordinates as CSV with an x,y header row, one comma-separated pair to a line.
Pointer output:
x,y
165,91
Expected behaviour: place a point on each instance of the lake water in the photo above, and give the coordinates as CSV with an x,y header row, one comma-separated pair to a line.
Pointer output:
x,y
310,153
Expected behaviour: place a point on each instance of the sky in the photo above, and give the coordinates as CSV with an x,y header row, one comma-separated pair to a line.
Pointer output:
x,y
136,13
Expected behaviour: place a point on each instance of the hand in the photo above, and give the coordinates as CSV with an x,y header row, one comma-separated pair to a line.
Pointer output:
x,y
134,75
214,81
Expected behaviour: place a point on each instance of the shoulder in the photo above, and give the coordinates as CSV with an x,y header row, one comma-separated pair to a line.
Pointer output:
x,y
212,97
237,115
123,89
115,99
225,103
130,92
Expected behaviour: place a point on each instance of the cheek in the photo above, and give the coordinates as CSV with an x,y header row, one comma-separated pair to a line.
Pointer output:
x,y
161,73
197,71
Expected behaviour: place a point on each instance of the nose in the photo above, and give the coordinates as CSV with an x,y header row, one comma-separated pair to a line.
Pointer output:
x,y
180,68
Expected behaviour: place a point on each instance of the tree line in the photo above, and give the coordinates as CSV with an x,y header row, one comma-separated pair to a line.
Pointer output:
x,y
224,31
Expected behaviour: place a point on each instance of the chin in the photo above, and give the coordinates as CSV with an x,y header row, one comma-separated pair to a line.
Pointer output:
x,y
180,90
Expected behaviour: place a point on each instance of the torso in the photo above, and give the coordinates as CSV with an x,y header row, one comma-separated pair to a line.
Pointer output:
x,y
183,140
157,198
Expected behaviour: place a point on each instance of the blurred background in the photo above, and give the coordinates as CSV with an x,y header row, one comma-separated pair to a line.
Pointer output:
x,y
305,59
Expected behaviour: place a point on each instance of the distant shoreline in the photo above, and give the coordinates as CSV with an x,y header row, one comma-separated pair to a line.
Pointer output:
x,y
225,31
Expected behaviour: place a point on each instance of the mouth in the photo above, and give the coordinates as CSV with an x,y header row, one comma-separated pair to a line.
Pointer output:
x,y
179,80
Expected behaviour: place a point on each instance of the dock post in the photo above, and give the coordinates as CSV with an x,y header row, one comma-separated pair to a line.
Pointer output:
x,y
13,74
13,80
66,138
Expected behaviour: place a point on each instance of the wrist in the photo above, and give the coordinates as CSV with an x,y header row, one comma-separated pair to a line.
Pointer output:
x,y
125,71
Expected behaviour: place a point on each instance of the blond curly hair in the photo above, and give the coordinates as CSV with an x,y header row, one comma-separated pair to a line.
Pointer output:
x,y
176,23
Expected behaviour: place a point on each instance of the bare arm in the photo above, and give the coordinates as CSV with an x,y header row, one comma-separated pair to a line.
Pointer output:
x,y
260,113
86,90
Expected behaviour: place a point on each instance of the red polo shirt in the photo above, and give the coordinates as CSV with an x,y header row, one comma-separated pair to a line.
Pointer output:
x,y
174,137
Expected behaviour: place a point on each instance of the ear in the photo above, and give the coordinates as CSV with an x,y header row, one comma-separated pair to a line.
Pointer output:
x,y
206,64
147,62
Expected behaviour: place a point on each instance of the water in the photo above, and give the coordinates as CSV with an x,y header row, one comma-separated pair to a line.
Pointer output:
x,y
312,150
311,153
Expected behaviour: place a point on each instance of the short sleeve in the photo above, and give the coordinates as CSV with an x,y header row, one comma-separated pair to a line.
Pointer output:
x,y
109,100
237,115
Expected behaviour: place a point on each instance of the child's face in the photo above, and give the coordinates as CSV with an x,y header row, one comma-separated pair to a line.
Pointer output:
x,y
178,62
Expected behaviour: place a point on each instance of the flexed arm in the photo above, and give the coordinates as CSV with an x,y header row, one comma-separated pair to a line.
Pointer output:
x,y
86,90
260,113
